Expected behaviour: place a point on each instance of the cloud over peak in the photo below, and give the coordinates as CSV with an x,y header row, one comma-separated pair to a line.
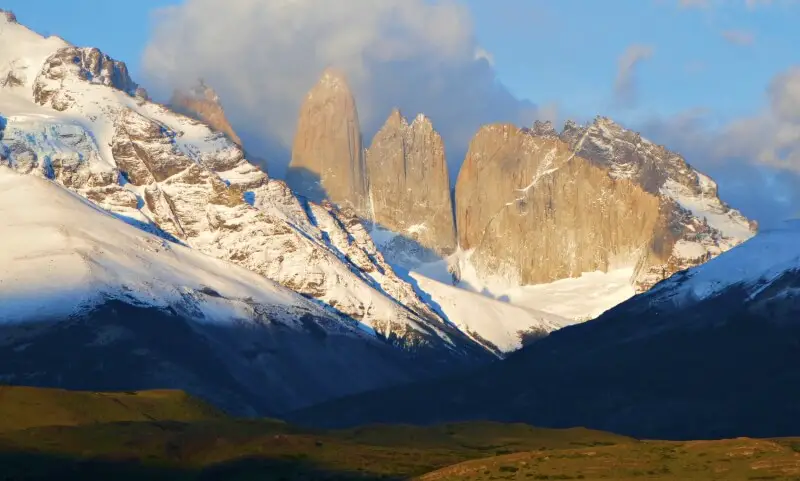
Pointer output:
x,y
262,56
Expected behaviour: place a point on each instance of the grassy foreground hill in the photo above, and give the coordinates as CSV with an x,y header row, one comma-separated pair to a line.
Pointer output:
x,y
54,434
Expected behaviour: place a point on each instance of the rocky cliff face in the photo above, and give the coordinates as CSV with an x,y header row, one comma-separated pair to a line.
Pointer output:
x,y
87,64
410,186
328,155
531,211
694,225
176,177
535,206
202,103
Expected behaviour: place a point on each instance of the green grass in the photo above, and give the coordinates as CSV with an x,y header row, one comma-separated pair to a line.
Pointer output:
x,y
51,434
24,407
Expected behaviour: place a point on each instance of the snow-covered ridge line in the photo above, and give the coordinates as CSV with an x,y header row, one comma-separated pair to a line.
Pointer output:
x,y
78,120
61,254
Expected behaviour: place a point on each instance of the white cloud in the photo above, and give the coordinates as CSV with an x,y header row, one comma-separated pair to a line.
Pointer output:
x,y
263,55
625,87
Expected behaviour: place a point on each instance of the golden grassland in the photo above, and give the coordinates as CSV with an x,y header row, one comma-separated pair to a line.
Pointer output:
x,y
54,434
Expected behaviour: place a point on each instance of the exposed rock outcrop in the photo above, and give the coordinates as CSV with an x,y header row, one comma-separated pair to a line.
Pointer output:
x,y
695,224
410,185
530,211
328,155
202,103
74,63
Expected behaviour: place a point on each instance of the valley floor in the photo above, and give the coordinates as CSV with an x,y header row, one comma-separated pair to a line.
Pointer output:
x,y
53,434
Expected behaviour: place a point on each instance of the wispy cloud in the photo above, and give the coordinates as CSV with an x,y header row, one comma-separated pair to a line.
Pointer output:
x,y
625,86
739,37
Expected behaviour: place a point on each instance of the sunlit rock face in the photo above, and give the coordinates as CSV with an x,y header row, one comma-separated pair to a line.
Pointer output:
x,y
328,155
410,186
531,211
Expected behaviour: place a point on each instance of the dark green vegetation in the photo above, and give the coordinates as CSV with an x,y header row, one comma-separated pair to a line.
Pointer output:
x,y
54,434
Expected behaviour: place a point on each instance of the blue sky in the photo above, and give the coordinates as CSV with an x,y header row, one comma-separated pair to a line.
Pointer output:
x,y
563,51
567,51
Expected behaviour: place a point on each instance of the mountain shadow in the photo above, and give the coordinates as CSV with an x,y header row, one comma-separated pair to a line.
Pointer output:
x,y
263,367
27,466
720,367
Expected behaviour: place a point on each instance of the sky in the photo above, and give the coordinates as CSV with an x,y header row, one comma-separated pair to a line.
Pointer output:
x,y
716,80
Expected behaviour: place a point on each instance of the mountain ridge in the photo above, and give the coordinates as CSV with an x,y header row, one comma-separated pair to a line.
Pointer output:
x,y
702,355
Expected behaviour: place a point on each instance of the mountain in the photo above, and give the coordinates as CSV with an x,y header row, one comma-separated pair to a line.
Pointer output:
x,y
74,116
695,224
568,223
328,155
409,191
202,103
704,354
400,189
531,211
534,206
90,302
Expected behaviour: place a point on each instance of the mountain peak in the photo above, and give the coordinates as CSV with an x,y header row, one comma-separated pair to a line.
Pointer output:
x,y
332,79
202,103
409,190
327,152
422,120
396,119
544,129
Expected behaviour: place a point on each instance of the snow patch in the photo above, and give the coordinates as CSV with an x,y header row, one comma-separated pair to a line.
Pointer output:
x,y
500,323
60,255
706,205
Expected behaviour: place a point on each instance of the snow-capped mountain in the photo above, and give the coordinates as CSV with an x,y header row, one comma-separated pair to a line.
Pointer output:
x,y
707,353
90,302
695,226
74,115
553,221
568,223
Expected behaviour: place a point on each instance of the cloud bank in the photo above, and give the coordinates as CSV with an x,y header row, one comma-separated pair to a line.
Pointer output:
x,y
262,56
